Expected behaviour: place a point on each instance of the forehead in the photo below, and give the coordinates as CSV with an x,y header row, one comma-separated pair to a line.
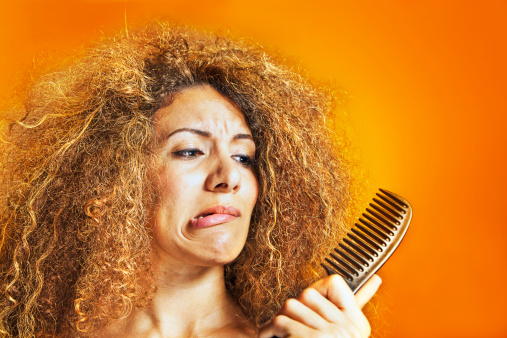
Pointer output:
x,y
199,107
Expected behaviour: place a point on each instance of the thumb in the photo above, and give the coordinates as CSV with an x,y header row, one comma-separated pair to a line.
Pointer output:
x,y
367,291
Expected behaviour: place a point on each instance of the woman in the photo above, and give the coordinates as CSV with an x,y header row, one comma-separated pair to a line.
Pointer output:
x,y
174,183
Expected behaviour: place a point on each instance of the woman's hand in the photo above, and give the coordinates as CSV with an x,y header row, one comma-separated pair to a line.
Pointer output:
x,y
327,308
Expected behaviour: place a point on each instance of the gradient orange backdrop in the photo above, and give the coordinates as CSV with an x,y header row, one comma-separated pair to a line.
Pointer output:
x,y
428,113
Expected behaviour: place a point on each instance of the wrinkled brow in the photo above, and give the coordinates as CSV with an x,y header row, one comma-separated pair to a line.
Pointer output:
x,y
191,130
208,134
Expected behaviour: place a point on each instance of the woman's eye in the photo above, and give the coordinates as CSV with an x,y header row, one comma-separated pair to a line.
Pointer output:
x,y
245,160
188,153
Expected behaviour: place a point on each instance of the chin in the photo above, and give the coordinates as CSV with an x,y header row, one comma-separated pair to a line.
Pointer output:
x,y
222,256
221,249
217,256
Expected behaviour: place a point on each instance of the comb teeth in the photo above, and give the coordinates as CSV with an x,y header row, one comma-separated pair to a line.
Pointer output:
x,y
372,241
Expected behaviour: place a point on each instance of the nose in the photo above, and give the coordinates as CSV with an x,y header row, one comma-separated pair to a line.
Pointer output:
x,y
224,176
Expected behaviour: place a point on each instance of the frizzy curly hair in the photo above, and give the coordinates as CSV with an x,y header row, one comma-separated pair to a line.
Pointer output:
x,y
75,163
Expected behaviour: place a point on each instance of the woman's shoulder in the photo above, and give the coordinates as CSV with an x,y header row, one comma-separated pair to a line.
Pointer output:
x,y
234,326
239,331
232,331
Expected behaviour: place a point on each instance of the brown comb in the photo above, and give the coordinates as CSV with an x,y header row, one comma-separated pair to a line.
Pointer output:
x,y
372,240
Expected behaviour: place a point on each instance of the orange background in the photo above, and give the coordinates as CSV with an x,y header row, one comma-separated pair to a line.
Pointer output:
x,y
428,112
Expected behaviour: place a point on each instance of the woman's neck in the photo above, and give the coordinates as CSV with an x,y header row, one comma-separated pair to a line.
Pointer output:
x,y
189,302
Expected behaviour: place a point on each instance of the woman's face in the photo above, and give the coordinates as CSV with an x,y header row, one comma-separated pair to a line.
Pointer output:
x,y
204,179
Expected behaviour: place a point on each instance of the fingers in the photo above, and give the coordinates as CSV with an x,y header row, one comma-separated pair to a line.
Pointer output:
x,y
303,313
283,326
327,307
367,291
319,304
337,291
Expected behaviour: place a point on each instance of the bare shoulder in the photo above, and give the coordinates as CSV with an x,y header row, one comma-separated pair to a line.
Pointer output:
x,y
237,325
235,331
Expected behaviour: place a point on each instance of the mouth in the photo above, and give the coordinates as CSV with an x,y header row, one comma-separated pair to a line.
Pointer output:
x,y
215,215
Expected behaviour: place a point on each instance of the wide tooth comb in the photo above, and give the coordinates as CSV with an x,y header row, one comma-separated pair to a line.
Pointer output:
x,y
372,241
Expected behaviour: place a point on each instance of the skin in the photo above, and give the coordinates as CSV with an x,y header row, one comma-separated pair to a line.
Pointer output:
x,y
327,308
204,158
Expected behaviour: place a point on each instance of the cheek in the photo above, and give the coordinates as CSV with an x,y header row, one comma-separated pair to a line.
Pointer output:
x,y
168,192
174,186
253,191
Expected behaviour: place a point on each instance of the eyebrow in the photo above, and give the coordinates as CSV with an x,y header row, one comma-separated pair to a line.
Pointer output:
x,y
208,134
190,130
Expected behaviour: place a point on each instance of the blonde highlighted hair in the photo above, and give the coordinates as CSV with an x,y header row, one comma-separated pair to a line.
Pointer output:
x,y
74,249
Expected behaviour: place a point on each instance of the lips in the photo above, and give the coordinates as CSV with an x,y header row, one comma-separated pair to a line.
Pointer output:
x,y
215,215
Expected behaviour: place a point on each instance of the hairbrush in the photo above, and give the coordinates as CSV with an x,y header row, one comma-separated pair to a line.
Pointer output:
x,y
372,240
